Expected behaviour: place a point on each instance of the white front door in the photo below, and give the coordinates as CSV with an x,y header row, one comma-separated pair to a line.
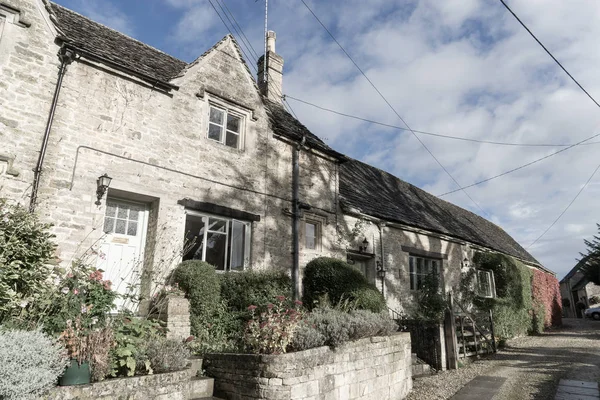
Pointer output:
x,y
121,251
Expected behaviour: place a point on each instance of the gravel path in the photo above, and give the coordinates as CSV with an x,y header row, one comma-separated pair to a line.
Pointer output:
x,y
533,365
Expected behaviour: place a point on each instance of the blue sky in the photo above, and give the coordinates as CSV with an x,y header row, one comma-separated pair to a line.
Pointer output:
x,y
458,67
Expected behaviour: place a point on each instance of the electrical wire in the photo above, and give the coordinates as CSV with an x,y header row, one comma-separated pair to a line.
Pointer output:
x,y
567,208
440,135
392,107
522,166
549,53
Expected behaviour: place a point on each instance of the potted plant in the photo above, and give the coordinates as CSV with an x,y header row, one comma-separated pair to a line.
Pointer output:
x,y
75,340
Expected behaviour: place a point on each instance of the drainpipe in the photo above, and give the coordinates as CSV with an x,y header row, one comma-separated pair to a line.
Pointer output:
x,y
296,220
381,225
66,56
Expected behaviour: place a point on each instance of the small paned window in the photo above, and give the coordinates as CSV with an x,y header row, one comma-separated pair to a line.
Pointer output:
x,y
121,218
221,242
420,269
311,235
485,284
224,127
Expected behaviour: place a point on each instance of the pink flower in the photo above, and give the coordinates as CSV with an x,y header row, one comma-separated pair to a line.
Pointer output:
x,y
70,275
298,302
252,308
280,298
75,291
270,306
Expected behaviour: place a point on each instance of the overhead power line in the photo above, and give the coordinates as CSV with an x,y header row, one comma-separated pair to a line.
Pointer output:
x,y
549,53
440,135
392,107
567,208
522,166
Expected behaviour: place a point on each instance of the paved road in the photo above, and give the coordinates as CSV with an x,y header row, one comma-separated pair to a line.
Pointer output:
x,y
531,366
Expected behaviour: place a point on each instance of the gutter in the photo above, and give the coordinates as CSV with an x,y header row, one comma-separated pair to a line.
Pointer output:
x,y
66,56
155,82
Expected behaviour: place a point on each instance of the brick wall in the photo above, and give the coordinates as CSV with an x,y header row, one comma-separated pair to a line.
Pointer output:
x,y
372,368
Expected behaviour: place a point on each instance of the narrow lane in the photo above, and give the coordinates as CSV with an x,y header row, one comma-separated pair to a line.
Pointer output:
x,y
531,366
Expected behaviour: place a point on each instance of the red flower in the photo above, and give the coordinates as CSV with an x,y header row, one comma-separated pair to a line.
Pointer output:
x,y
270,306
280,298
297,302
252,308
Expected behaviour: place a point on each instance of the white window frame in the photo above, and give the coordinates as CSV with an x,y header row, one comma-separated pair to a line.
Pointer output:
x,y
226,111
318,221
414,275
228,232
491,283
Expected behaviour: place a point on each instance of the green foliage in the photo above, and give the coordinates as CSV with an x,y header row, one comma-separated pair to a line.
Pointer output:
x,y
591,259
272,331
26,252
243,289
202,287
430,303
538,318
163,355
512,309
332,327
131,337
30,363
338,281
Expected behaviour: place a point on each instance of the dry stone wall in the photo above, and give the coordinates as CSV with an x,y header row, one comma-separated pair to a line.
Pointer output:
x,y
377,368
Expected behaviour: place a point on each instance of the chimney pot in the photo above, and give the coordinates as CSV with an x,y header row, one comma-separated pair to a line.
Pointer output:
x,y
271,37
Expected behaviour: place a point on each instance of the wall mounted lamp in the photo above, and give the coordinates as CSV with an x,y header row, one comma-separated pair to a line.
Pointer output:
x,y
102,183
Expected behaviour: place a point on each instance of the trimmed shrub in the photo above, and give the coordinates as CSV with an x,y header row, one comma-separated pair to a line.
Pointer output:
x,y
216,328
242,289
307,337
339,282
30,364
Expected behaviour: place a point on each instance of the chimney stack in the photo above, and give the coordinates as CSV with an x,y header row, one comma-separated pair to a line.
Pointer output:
x,y
271,85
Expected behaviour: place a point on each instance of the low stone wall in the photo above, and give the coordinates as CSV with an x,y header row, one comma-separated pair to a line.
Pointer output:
x,y
180,385
377,368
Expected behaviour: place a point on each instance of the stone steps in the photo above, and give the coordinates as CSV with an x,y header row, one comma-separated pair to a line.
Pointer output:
x,y
201,387
420,367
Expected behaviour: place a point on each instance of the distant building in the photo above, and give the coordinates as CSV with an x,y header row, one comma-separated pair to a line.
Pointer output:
x,y
576,288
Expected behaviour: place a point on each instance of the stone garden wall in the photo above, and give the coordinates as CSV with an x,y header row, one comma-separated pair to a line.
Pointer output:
x,y
180,385
376,368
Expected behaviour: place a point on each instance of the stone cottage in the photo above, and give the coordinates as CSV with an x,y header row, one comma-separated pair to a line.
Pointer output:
x,y
204,163
576,288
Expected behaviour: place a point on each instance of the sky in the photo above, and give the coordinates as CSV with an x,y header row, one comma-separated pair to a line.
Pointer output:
x,y
456,67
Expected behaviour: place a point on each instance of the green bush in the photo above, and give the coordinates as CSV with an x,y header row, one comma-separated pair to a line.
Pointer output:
x,y
30,364
26,252
243,289
339,282
216,328
430,303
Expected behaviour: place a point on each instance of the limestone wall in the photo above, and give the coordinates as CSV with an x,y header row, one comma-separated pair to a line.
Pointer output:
x,y
376,368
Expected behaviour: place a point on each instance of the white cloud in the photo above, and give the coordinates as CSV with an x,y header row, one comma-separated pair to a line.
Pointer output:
x,y
107,14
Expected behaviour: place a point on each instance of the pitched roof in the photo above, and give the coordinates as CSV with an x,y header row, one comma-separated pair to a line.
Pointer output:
x,y
284,124
575,269
380,194
114,46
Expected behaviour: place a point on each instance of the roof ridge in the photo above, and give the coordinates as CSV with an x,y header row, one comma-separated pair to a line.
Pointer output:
x,y
116,31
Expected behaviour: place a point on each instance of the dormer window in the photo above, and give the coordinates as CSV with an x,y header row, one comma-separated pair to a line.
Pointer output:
x,y
225,126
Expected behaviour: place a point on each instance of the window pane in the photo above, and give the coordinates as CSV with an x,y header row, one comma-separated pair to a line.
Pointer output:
x,y
132,228
214,132
133,214
216,115
109,225
310,232
233,123
217,225
120,227
122,213
231,140
238,244
216,244
111,209
194,238
411,263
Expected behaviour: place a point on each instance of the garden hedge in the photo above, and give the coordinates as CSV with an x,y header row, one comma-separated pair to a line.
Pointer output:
x,y
339,282
242,289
